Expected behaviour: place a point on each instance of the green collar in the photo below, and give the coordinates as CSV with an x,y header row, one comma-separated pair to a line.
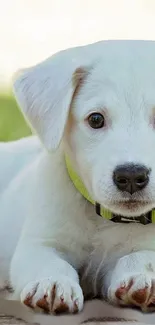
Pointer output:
x,y
144,219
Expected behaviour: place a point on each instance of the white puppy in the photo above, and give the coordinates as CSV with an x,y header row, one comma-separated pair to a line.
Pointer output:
x,y
96,106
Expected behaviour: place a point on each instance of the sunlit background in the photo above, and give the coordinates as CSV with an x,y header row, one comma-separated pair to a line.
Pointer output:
x,y
31,30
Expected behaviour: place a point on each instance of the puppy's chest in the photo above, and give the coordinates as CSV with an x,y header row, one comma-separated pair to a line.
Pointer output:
x,y
125,238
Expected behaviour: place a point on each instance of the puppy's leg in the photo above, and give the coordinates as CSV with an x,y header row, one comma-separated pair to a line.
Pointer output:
x,y
44,280
133,281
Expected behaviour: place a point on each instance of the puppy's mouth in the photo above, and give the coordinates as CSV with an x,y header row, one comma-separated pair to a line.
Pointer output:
x,y
131,207
132,204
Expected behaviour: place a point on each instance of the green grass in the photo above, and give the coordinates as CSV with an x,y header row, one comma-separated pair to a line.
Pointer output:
x,y
12,123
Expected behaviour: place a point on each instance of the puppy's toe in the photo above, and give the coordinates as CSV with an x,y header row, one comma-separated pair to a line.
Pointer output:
x,y
53,295
136,290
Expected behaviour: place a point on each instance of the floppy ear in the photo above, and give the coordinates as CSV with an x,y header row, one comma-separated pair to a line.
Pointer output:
x,y
44,94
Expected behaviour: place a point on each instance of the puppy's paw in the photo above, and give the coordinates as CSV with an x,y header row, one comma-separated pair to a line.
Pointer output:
x,y
134,290
54,295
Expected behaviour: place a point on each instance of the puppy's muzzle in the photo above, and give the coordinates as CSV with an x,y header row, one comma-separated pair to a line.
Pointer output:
x,y
131,178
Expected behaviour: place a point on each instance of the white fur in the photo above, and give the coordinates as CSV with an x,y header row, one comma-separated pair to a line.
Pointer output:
x,y
47,228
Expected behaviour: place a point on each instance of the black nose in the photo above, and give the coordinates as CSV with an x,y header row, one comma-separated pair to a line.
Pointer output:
x,y
131,178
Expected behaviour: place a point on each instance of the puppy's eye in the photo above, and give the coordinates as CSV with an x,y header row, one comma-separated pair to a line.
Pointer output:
x,y
96,120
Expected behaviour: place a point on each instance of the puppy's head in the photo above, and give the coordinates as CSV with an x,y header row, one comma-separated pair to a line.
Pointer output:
x,y
100,99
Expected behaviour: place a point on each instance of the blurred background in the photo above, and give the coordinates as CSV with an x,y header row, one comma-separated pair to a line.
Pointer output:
x,y
31,30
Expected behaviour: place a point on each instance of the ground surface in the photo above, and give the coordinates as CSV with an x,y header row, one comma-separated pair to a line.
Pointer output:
x,y
94,313
10,320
